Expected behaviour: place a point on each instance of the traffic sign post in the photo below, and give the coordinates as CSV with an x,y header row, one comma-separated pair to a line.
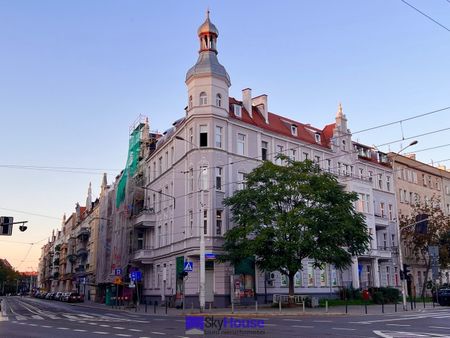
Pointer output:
x,y
188,266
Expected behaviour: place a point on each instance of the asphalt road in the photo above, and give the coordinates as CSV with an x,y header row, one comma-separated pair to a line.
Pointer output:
x,y
29,317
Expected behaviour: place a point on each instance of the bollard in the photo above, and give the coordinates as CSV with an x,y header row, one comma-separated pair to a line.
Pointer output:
x,y
415,303
346,305
382,307
210,306
279,304
166,305
146,304
412,306
154,307
365,307
256,306
232,307
326,306
395,306
303,305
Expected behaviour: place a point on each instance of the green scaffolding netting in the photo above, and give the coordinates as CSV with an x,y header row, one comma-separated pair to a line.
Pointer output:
x,y
131,166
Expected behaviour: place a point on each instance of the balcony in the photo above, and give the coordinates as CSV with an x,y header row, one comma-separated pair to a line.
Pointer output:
x,y
145,219
82,252
383,252
144,256
381,222
83,234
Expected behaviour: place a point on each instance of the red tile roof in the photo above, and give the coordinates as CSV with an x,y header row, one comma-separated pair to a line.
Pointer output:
x,y
282,125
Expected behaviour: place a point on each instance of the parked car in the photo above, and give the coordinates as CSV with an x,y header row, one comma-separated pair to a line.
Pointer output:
x,y
444,296
65,297
58,296
75,297
48,295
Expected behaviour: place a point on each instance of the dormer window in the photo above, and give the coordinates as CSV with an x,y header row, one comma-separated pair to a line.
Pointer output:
x,y
237,109
317,137
293,129
203,99
218,100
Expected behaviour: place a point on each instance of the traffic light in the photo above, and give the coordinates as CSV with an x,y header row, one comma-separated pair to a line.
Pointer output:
x,y
421,224
182,274
6,224
406,271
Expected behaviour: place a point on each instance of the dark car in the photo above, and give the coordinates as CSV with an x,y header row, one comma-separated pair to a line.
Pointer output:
x,y
444,297
75,297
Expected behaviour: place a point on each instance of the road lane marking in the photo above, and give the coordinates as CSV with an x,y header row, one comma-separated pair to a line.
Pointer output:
x,y
37,317
161,319
105,325
303,326
439,327
118,327
33,324
398,325
322,321
270,324
86,316
62,328
160,333
123,335
19,317
343,328
135,330
47,326
92,323
79,330
100,332
293,320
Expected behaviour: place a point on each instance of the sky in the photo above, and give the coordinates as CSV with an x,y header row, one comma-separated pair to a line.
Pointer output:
x,y
75,75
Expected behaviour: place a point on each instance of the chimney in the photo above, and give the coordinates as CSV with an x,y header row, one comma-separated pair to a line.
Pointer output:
x,y
247,100
261,103
412,156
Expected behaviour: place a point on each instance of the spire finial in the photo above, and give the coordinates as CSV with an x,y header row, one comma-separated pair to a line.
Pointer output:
x,y
340,111
207,13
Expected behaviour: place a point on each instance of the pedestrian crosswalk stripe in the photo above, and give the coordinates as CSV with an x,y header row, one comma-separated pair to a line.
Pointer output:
x,y
37,317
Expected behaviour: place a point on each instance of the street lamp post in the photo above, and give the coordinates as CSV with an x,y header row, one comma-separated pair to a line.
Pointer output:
x,y
400,254
202,235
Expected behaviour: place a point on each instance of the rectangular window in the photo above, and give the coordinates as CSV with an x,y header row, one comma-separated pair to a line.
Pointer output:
x,y
400,194
310,275
167,160
316,159
219,222
370,176
218,137
160,200
391,212
172,155
339,168
191,223
380,181
237,110
205,222
160,237
329,165
264,147
241,181
166,234
382,211
292,154
361,173
388,183
191,138
219,171
191,180
423,180
204,178
298,279
160,168
280,149
305,156
294,130
240,144
203,136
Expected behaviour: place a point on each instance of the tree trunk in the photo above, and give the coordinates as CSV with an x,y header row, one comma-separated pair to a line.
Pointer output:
x,y
291,287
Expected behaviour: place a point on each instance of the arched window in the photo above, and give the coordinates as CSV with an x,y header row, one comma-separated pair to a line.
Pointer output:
x,y
218,100
190,102
203,99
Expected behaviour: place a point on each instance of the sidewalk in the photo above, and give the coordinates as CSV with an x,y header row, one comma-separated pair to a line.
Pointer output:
x,y
266,310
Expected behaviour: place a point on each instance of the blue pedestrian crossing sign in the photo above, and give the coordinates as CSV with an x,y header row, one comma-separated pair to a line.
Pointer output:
x,y
188,266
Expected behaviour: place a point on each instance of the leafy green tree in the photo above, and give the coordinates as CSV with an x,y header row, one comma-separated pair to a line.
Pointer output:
x,y
290,212
418,236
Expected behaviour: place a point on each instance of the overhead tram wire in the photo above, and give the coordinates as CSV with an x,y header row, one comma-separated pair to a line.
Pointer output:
x,y
425,15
